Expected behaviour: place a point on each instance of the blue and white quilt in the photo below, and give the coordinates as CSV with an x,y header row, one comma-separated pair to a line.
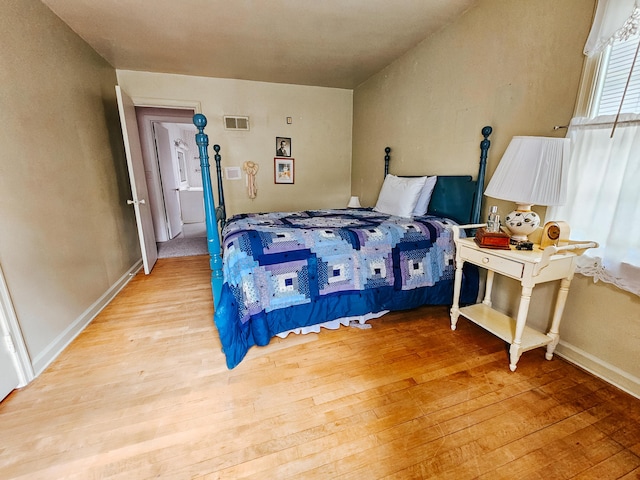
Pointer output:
x,y
288,270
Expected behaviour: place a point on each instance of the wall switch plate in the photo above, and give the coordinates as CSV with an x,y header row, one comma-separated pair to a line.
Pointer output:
x,y
232,173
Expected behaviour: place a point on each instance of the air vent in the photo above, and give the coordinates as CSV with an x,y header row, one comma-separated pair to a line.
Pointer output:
x,y
236,123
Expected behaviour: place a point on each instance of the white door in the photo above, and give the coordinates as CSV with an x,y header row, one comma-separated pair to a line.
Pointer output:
x,y
169,179
9,378
139,192
15,366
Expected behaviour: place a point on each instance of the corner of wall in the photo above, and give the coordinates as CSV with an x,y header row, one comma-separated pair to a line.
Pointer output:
x,y
53,350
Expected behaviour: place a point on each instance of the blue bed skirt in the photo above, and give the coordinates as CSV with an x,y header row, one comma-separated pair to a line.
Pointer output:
x,y
237,339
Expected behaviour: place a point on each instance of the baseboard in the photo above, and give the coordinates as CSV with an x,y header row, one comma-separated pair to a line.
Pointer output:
x,y
55,348
601,369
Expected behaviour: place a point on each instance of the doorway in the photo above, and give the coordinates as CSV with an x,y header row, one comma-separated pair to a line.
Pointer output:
x,y
172,172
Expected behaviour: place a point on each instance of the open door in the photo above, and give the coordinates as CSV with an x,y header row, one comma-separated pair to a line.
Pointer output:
x,y
169,180
15,366
139,192
9,378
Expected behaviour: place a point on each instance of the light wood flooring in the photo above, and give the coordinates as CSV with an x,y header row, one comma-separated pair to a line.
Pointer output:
x,y
144,392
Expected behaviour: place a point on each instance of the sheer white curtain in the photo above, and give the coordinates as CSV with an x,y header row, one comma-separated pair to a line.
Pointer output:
x,y
603,199
614,20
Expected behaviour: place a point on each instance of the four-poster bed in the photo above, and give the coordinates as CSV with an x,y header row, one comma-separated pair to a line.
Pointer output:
x,y
292,271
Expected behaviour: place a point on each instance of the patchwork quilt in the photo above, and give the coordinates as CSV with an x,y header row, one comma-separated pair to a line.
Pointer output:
x,y
288,270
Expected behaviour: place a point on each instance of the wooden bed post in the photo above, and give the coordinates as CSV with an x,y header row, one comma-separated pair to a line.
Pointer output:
x,y
213,236
484,148
458,197
387,151
221,212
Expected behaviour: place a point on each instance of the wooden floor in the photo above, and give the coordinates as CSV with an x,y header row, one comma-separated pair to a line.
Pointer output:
x,y
143,393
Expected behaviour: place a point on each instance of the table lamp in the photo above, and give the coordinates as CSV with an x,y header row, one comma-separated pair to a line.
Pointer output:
x,y
532,171
354,202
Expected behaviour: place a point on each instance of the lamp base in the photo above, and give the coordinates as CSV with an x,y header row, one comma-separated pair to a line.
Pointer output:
x,y
522,222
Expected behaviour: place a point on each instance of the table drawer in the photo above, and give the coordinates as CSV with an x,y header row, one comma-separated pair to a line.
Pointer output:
x,y
486,259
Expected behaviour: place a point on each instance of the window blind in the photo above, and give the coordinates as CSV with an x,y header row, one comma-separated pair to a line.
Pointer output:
x,y
617,72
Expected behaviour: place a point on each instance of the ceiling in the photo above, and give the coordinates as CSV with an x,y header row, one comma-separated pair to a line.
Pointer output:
x,y
331,43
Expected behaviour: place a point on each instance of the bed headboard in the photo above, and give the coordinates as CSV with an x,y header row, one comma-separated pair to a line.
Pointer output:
x,y
458,197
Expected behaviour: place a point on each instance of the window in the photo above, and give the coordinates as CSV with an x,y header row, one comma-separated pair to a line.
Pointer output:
x,y
603,199
616,65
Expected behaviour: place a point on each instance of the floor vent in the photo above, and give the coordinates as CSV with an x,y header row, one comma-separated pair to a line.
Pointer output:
x,y
236,123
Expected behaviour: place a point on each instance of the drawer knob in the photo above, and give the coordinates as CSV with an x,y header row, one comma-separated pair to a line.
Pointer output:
x,y
485,259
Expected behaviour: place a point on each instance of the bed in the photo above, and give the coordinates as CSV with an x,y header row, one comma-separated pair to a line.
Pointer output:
x,y
282,272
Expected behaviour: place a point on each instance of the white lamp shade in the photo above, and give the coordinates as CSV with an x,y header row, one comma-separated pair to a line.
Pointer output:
x,y
533,171
354,202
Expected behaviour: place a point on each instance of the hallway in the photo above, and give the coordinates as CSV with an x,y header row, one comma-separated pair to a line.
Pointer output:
x,y
192,241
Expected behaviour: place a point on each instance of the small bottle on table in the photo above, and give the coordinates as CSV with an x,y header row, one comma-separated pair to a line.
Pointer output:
x,y
493,222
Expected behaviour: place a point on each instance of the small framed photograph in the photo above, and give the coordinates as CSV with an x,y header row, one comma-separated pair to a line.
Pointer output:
x,y
283,170
283,147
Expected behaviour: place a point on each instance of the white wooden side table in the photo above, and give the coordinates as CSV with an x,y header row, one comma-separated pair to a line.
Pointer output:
x,y
530,267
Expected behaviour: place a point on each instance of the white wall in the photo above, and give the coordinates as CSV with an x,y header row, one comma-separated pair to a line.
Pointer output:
x,y
321,131
67,236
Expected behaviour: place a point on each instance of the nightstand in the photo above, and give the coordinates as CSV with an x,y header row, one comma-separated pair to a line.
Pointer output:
x,y
530,267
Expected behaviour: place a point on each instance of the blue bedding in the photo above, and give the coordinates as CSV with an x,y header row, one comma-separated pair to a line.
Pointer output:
x,y
288,270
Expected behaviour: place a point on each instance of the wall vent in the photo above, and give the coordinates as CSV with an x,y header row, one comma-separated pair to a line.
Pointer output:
x,y
235,122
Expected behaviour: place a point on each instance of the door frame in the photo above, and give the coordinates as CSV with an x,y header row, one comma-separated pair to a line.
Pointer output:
x,y
145,121
169,178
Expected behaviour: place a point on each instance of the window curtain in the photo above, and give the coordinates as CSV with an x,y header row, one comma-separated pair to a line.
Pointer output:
x,y
614,20
603,198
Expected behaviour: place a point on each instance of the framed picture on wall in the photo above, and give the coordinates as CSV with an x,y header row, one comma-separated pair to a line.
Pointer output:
x,y
283,170
283,147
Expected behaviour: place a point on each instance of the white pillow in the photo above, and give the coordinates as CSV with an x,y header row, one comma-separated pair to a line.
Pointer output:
x,y
425,197
399,196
